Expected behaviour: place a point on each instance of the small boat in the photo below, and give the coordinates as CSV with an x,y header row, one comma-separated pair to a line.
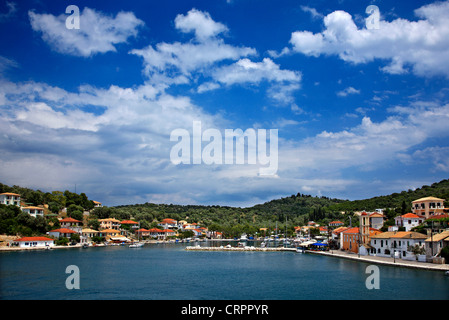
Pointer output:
x,y
85,246
243,237
136,245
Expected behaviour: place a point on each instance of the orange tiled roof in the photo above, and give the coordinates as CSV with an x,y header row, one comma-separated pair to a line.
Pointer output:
x,y
129,222
410,215
69,219
34,239
63,230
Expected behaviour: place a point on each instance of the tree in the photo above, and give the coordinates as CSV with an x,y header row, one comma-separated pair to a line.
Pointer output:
x,y
74,207
416,250
445,254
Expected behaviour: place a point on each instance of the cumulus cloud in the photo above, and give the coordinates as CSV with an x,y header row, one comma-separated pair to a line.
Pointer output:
x,y
421,45
347,91
200,23
283,82
370,144
98,33
174,63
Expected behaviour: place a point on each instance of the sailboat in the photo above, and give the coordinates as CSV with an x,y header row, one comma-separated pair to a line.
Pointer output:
x,y
137,244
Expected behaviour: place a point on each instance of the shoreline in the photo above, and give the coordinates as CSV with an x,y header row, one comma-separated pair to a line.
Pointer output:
x,y
384,261
336,254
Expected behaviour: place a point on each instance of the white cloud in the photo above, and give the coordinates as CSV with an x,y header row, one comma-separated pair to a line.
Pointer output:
x,y
283,82
421,44
372,144
174,63
313,12
201,23
247,71
98,32
347,91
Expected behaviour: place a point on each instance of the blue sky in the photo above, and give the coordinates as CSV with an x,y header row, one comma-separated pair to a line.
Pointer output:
x,y
359,112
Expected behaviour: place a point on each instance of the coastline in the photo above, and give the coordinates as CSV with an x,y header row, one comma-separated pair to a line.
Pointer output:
x,y
384,260
336,254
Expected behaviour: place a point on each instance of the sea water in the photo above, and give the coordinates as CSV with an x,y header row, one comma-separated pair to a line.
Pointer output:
x,y
169,272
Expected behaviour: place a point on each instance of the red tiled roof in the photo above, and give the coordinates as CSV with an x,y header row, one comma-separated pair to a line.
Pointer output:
x,y
129,222
155,230
439,216
167,230
69,219
168,220
410,215
63,230
35,239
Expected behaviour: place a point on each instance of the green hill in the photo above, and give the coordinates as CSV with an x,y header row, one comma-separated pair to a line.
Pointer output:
x,y
285,213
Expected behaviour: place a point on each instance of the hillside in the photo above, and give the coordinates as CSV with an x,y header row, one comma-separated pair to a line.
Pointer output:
x,y
285,212
396,200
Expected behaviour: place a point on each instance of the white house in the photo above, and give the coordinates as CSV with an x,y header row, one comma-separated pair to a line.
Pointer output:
x,y
10,198
35,242
71,224
168,224
34,211
387,244
409,221
61,233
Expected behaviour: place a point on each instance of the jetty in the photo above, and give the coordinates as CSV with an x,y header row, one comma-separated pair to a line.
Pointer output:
x,y
248,248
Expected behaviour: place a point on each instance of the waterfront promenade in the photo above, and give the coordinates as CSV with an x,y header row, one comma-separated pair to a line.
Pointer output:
x,y
383,260
338,254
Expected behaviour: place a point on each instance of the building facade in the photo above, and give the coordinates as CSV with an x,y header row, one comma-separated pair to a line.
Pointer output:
x,y
9,198
428,206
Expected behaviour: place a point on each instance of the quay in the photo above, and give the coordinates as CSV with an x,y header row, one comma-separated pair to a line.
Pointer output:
x,y
338,254
198,248
383,260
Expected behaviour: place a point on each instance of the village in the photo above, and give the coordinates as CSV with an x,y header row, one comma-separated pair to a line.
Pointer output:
x,y
401,241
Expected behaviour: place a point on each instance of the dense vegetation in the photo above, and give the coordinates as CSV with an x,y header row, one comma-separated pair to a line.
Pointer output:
x,y
285,213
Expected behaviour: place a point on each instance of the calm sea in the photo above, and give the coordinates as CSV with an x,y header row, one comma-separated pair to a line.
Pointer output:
x,y
169,272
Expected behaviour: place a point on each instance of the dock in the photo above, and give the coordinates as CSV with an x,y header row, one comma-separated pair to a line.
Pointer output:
x,y
277,249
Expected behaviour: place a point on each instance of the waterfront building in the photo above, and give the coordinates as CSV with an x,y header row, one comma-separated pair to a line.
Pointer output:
x,y
168,233
436,242
71,224
109,223
408,221
87,234
396,244
107,233
143,233
35,242
428,206
34,211
352,240
61,233
9,198
156,233
133,224
168,224
402,241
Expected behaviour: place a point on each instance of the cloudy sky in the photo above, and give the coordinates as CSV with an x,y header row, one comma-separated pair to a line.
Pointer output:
x,y
360,109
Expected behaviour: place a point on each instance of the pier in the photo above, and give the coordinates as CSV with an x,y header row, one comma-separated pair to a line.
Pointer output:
x,y
198,248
